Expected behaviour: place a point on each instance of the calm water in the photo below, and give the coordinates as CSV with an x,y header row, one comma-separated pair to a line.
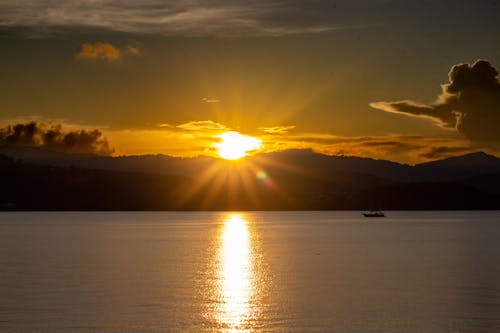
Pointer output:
x,y
250,272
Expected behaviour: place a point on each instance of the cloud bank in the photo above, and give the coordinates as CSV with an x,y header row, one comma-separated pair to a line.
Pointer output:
x,y
470,103
403,149
36,134
181,17
197,138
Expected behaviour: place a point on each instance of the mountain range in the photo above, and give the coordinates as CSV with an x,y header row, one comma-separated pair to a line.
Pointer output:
x,y
37,179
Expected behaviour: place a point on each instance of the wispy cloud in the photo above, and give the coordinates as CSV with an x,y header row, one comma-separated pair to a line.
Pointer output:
x,y
202,125
439,152
133,50
277,129
210,100
182,17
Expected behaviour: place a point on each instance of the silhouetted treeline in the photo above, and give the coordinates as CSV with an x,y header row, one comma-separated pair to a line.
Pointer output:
x,y
33,187
26,186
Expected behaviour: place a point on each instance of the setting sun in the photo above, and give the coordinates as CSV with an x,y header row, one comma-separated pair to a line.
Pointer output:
x,y
233,145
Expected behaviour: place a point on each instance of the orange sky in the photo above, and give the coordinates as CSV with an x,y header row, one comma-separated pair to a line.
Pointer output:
x,y
170,78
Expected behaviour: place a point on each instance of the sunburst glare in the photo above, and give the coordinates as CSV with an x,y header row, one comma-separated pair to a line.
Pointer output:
x,y
233,145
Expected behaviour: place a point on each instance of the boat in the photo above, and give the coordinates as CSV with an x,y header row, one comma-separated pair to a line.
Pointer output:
x,y
374,213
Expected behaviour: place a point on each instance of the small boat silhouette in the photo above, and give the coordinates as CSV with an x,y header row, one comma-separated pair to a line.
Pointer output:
x,y
374,213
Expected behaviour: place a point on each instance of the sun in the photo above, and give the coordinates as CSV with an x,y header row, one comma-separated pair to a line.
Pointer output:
x,y
233,145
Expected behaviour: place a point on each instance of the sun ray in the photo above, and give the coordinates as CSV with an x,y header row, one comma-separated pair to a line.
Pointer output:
x,y
225,184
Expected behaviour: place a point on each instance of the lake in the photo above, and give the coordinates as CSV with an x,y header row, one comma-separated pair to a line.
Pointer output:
x,y
249,272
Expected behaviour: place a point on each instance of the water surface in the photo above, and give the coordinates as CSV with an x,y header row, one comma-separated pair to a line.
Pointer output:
x,y
249,272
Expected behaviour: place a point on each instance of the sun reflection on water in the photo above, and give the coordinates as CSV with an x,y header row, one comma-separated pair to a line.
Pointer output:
x,y
235,274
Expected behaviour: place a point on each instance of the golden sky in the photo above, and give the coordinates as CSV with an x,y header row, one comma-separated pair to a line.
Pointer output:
x,y
352,77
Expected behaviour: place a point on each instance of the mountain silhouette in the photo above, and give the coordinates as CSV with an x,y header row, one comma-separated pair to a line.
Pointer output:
x,y
36,179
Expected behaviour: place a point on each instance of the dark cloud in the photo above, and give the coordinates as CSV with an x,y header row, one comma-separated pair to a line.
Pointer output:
x,y
470,103
35,134
238,17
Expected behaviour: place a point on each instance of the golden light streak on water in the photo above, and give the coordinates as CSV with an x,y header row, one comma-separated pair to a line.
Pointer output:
x,y
236,276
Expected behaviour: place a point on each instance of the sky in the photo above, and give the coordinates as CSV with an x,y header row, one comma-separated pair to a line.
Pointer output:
x,y
409,81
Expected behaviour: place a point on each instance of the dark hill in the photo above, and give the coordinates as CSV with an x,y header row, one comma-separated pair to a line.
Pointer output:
x,y
458,168
289,180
